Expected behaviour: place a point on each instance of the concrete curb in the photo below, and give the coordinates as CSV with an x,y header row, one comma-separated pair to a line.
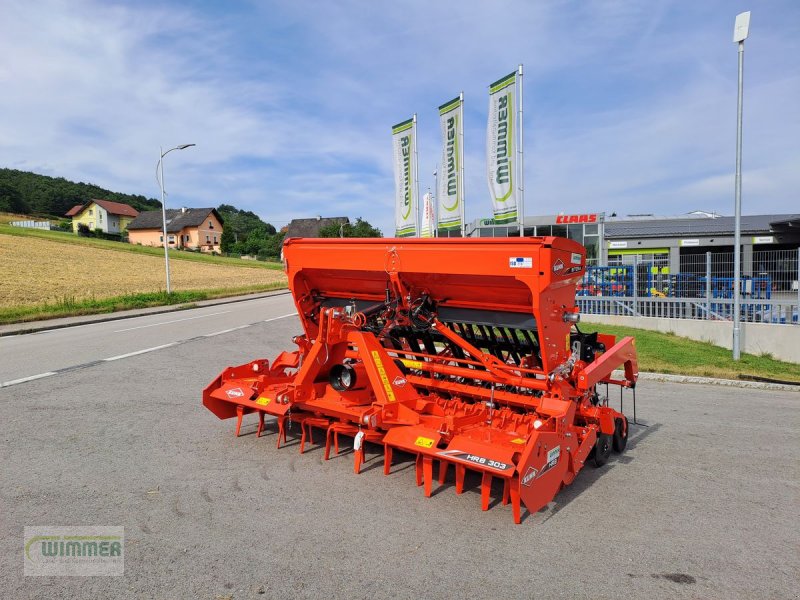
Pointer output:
x,y
755,385
61,323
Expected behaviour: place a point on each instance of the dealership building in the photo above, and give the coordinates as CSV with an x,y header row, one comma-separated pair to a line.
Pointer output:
x,y
668,244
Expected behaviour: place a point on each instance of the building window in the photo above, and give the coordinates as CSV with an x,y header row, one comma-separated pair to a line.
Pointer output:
x,y
186,238
215,239
208,239
99,217
171,239
161,239
210,225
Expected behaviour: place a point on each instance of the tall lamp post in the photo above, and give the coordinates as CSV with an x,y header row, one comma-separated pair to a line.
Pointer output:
x,y
740,31
160,173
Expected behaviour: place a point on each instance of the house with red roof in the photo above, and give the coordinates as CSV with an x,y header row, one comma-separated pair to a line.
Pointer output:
x,y
109,217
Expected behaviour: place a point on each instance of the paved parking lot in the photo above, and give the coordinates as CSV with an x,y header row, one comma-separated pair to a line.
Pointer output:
x,y
703,504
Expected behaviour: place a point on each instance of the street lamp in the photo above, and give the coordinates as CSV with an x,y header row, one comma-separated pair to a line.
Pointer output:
x,y
740,30
160,177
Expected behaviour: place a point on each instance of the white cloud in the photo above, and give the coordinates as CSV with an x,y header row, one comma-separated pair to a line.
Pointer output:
x,y
629,105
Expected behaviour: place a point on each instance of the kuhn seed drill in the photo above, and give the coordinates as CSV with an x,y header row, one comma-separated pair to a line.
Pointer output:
x,y
462,352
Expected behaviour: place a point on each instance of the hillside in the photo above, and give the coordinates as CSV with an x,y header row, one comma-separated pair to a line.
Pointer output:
x,y
31,193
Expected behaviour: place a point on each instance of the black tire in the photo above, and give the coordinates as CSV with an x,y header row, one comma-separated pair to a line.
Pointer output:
x,y
620,440
602,449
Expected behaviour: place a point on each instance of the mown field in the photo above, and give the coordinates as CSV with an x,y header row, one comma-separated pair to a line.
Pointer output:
x,y
36,270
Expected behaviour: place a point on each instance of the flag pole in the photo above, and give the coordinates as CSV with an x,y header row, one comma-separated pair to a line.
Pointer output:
x,y
461,170
436,202
521,163
416,175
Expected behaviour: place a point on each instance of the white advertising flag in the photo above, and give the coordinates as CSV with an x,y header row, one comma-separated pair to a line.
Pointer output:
x,y
451,183
405,176
428,220
500,147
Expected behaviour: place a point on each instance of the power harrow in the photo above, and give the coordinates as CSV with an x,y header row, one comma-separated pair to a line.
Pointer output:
x,y
462,352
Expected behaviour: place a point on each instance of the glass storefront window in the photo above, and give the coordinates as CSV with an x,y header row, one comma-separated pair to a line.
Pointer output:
x,y
575,233
592,244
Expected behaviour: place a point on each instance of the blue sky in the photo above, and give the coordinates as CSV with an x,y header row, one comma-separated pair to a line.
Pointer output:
x,y
629,106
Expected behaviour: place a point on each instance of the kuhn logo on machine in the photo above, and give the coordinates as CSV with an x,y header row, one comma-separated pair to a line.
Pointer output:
x,y
399,381
234,393
558,265
529,476
563,219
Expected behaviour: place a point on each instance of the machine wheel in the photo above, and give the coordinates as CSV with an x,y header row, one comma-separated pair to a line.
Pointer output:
x,y
620,435
602,450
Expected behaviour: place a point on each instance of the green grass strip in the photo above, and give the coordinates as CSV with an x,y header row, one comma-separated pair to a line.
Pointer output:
x,y
71,307
71,238
668,353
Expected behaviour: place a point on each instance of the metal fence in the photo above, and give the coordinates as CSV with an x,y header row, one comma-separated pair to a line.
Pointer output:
x,y
769,289
32,224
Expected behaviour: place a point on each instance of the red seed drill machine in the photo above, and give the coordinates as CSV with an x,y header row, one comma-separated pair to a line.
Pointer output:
x,y
463,352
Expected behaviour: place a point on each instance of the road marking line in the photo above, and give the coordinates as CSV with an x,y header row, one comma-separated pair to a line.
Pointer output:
x,y
133,318
281,317
218,333
248,325
25,379
173,321
129,354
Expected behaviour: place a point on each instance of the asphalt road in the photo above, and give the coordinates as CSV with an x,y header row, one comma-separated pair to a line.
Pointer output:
x,y
703,504
31,356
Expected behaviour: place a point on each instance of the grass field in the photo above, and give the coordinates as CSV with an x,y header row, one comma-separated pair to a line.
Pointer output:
x,y
71,238
51,273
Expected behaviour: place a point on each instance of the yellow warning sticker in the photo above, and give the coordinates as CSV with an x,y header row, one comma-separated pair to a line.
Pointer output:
x,y
384,378
411,364
263,400
519,441
424,442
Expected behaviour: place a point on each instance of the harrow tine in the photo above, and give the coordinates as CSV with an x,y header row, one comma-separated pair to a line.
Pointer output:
x,y
442,472
260,424
303,437
460,472
281,431
328,435
239,415
358,459
358,451
516,508
427,474
486,489
387,459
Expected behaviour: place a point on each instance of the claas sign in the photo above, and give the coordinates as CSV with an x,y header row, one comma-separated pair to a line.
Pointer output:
x,y
564,219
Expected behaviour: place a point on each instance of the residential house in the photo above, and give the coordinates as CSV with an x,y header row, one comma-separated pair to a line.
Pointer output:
x,y
310,228
109,217
187,228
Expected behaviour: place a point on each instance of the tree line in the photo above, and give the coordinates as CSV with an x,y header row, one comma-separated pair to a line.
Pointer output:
x,y
33,194
243,232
